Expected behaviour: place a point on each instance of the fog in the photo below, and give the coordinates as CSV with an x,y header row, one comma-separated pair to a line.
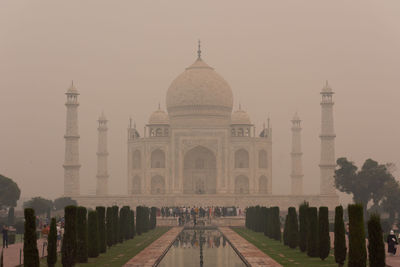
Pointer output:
x,y
123,55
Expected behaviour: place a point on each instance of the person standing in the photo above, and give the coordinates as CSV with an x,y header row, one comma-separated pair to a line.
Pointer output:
x,y
392,242
4,231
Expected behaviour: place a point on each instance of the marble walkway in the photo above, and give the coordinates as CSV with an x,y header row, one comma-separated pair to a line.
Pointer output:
x,y
150,255
11,254
251,253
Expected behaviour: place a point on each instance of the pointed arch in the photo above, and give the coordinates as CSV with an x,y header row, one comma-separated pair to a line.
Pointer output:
x,y
157,185
241,185
241,158
158,159
136,184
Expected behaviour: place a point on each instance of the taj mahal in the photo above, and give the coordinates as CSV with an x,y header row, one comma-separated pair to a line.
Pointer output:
x,y
200,151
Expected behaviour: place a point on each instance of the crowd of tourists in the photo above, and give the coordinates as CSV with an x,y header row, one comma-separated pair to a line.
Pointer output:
x,y
213,211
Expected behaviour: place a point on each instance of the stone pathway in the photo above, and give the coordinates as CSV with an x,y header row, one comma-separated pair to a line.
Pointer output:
x,y
251,253
150,255
11,254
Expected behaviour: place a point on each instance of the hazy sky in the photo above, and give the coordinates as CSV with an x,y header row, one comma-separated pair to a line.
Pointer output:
x,y
123,55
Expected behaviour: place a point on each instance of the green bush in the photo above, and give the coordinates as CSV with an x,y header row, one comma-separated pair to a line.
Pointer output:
x,y
357,248
109,226
68,249
115,224
340,250
293,228
93,234
285,231
153,218
323,233
276,224
81,235
312,232
52,244
376,247
101,213
303,226
31,253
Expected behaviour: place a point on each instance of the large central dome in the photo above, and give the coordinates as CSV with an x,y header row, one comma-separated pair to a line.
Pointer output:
x,y
199,91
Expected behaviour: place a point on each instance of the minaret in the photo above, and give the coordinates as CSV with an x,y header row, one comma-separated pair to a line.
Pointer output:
x,y
71,163
102,154
297,164
328,163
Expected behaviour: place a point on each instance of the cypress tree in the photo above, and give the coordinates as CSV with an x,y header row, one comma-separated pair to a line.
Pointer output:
x,y
285,231
101,212
153,218
31,253
121,225
11,216
52,244
268,220
376,247
264,219
147,219
323,233
312,232
303,226
132,224
340,250
127,225
357,248
93,235
115,224
276,224
138,220
293,228
68,249
109,226
81,235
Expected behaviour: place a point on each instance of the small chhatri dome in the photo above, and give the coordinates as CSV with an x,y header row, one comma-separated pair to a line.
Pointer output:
x,y
72,89
199,90
327,88
159,117
296,117
240,117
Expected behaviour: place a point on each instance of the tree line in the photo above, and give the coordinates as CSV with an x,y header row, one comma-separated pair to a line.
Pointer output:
x,y
87,233
309,231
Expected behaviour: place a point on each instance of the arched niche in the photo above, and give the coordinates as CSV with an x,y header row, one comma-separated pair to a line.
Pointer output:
x,y
262,159
200,171
158,159
263,185
241,158
241,185
136,184
136,159
157,185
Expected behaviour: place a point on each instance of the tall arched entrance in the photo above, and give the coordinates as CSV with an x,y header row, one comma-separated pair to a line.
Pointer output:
x,y
200,171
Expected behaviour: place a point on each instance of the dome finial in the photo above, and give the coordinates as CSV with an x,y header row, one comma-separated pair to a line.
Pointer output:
x,y
199,50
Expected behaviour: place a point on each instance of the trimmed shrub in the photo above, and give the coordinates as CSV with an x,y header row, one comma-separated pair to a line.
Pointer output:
x,y
275,224
81,235
93,234
340,250
285,231
31,253
132,223
357,248
312,232
293,228
153,218
376,247
68,249
303,226
101,213
115,224
323,233
52,244
109,226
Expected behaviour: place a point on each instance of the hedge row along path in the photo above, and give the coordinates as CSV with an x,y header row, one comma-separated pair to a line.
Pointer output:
x,y
253,255
150,255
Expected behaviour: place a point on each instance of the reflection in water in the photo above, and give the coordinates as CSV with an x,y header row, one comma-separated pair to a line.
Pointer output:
x,y
201,248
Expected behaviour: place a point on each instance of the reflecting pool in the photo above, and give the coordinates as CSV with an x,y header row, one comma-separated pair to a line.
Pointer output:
x,y
201,248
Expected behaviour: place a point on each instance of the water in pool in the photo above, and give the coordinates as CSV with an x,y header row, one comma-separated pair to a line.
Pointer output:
x,y
201,248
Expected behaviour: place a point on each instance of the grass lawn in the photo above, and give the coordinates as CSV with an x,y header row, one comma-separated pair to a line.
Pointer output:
x,y
282,254
119,254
